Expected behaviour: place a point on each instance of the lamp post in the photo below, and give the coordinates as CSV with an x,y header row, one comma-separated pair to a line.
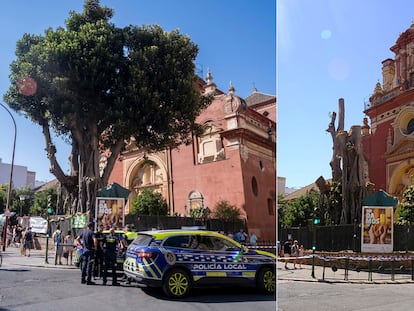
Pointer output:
x,y
49,212
22,197
7,211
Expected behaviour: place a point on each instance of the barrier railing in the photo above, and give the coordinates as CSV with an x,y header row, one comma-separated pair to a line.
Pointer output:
x,y
354,267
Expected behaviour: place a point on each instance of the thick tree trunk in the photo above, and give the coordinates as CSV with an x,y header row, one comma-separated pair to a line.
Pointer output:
x,y
347,167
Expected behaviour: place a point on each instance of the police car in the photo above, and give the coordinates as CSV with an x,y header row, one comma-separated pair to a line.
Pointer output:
x,y
178,260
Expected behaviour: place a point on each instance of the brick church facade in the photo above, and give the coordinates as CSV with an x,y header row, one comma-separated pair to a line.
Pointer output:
x,y
233,160
388,141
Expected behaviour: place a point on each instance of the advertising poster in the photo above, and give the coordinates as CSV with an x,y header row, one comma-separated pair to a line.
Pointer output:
x,y
38,224
78,221
377,229
110,212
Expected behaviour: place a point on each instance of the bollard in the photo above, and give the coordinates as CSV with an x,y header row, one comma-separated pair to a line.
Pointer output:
x,y
323,273
412,269
392,269
370,269
346,268
313,264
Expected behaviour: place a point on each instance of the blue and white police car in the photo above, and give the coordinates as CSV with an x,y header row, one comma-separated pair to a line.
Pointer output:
x,y
178,260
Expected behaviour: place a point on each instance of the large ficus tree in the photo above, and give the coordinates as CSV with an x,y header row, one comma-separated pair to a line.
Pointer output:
x,y
98,85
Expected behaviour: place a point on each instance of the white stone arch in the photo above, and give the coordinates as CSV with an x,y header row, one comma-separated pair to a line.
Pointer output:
x,y
162,176
401,177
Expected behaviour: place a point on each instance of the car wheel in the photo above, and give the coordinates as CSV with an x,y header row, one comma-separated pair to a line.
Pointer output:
x,y
266,281
176,284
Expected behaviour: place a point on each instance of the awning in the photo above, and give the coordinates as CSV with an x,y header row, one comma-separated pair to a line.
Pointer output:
x,y
114,190
380,198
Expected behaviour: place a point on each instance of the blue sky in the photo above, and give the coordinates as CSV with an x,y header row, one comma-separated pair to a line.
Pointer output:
x,y
236,39
326,50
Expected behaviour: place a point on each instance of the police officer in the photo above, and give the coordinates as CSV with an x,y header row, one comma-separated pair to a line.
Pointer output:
x,y
111,245
89,243
99,256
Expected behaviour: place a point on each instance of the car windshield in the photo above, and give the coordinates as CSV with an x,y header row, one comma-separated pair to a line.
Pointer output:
x,y
142,240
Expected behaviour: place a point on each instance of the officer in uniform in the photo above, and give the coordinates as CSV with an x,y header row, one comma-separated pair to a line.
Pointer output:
x,y
89,244
99,257
111,246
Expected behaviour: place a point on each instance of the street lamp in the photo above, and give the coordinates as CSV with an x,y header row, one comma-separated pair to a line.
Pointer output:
x,y
49,212
7,211
22,197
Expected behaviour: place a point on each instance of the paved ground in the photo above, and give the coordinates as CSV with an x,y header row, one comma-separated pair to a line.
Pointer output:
x,y
327,274
12,257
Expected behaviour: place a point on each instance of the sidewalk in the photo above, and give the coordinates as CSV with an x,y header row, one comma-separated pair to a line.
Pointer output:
x,y
328,275
12,257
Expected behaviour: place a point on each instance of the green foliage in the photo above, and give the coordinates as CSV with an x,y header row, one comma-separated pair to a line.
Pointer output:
x,y
150,203
406,208
3,198
334,203
41,199
225,211
98,85
17,204
299,211
196,212
22,200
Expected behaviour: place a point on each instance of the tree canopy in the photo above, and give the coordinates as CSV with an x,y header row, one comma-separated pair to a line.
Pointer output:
x,y
225,211
149,202
406,208
98,85
298,212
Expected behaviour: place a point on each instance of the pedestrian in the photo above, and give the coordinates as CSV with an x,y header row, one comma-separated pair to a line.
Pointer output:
x,y
58,240
279,248
301,254
70,247
241,236
89,244
287,249
9,235
99,256
22,242
294,251
28,241
18,235
111,246
253,239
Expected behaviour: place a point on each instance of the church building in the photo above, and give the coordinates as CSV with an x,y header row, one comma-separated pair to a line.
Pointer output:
x,y
388,141
234,159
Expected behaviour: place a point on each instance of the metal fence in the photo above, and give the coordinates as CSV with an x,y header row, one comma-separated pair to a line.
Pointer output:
x,y
343,237
143,223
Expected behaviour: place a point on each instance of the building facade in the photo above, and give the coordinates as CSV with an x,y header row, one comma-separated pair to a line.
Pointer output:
x,y
22,177
234,160
388,141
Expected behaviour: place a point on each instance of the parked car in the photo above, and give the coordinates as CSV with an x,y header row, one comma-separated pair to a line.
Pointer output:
x,y
178,260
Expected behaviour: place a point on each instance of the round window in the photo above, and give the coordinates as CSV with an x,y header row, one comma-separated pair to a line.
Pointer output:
x,y
410,127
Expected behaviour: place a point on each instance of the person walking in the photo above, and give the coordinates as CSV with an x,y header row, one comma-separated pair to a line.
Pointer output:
x,y
69,248
295,253
89,244
58,240
301,254
287,250
253,239
241,237
28,241
111,247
